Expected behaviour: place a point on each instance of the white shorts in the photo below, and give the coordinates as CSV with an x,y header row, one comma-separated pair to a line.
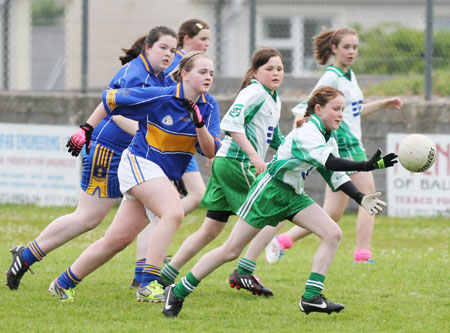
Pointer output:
x,y
135,170
150,215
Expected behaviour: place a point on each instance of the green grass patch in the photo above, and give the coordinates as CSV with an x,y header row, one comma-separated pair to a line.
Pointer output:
x,y
410,85
406,290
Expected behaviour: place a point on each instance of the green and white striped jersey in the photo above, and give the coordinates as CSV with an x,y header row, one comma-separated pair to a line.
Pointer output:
x,y
305,149
255,113
348,136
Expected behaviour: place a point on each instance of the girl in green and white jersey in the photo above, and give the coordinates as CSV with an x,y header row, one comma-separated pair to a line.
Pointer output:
x,y
278,194
343,45
250,126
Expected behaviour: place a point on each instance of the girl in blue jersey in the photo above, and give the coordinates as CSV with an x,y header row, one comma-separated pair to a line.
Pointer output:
x,y
193,35
171,128
278,194
343,45
143,67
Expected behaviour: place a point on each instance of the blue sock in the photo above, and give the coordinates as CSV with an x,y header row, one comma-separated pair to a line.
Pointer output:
x,y
68,280
32,253
149,274
138,270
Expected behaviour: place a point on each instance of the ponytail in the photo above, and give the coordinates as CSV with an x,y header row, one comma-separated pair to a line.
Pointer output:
x,y
133,51
324,41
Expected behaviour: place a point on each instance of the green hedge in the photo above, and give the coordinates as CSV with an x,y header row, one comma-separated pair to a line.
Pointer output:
x,y
391,49
394,49
47,12
411,85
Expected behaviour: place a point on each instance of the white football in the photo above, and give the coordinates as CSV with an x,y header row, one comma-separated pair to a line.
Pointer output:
x,y
416,153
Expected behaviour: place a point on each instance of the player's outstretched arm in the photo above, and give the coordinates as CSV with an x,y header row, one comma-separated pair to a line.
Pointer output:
x,y
376,162
387,103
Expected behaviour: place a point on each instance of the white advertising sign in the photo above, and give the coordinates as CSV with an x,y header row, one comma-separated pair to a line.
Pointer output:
x,y
420,194
35,167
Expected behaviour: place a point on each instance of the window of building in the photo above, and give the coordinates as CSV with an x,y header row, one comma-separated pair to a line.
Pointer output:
x,y
277,28
292,36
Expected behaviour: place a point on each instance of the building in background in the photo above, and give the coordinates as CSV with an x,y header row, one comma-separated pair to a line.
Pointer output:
x,y
40,56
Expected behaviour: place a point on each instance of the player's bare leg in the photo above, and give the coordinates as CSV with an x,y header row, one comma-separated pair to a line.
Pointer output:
x,y
315,219
364,222
91,210
243,276
195,188
208,231
129,220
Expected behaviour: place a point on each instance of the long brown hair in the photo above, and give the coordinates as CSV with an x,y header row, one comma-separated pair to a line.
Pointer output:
x,y
138,46
260,58
321,96
133,51
324,40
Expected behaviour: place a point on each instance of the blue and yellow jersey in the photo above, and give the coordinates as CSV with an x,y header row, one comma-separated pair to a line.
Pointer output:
x,y
166,136
179,54
136,73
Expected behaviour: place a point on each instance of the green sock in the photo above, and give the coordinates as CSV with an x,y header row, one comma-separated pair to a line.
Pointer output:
x,y
186,286
246,266
169,273
314,285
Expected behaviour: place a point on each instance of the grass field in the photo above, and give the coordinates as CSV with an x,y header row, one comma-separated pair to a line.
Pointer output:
x,y
406,290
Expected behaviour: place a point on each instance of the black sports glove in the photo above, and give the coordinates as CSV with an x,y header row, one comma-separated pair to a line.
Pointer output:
x,y
81,137
378,162
179,184
194,112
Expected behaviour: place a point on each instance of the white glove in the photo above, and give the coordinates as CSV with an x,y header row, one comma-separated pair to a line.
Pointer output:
x,y
373,205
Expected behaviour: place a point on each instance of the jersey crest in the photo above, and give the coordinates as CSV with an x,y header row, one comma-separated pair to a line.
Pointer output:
x,y
235,110
167,120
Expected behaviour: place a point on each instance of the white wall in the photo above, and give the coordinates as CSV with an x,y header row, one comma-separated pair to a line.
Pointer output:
x,y
116,23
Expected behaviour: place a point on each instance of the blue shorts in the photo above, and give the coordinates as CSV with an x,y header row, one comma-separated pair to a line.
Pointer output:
x,y
100,171
192,166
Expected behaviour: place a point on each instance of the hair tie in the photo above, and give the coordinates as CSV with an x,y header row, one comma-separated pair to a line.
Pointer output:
x,y
199,25
334,36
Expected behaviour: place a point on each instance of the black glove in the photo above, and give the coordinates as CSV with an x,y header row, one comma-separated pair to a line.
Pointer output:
x,y
378,162
179,184
81,137
194,112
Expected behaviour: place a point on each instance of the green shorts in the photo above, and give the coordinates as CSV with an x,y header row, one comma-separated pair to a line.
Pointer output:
x,y
271,201
228,184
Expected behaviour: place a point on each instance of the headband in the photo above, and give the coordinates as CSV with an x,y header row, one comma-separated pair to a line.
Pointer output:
x,y
334,36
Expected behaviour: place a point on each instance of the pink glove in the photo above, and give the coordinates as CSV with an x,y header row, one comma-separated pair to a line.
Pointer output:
x,y
194,112
81,137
